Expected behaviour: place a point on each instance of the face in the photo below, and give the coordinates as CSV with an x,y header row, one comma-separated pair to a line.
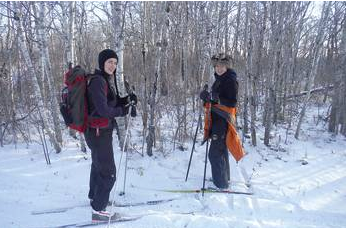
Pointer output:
x,y
110,65
220,69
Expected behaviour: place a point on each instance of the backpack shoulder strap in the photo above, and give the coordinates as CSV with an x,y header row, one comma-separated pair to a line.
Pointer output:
x,y
90,77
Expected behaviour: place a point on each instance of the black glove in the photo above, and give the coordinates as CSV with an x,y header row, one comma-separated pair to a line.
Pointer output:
x,y
205,96
133,98
123,100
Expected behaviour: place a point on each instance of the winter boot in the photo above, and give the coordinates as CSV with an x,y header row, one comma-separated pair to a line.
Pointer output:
x,y
103,215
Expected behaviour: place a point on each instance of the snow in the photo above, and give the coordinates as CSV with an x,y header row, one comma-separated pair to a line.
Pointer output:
x,y
287,193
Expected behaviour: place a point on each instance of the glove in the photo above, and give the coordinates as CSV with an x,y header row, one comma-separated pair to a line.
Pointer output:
x,y
205,96
123,100
133,98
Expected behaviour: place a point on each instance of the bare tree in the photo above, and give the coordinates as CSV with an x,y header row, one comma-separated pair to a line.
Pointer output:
x,y
162,10
47,69
37,82
316,54
118,20
276,19
337,121
284,56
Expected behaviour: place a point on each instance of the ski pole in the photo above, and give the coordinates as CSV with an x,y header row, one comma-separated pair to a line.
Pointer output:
x,y
194,142
125,171
121,156
205,166
43,140
126,156
195,137
208,118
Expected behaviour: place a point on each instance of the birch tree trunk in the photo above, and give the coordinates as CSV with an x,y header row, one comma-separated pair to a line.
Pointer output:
x,y
226,28
184,62
70,60
207,49
218,43
277,76
236,32
162,11
69,9
250,76
316,54
39,95
144,67
118,20
248,56
47,69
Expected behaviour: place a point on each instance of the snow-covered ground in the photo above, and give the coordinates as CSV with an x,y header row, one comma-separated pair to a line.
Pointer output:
x,y
287,194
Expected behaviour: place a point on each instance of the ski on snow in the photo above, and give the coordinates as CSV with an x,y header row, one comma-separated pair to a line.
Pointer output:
x,y
150,202
209,190
93,223
119,220
206,190
64,209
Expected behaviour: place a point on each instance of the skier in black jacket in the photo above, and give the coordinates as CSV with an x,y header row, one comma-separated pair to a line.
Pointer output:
x,y
103,105
224,91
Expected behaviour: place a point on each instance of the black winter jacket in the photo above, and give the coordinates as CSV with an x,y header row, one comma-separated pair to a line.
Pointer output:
x,y
225,88
102,103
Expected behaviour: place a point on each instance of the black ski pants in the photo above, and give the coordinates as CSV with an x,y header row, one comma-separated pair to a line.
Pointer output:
x,y
218,153
103,170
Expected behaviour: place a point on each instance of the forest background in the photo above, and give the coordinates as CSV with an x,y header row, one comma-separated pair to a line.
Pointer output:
x,y
287,55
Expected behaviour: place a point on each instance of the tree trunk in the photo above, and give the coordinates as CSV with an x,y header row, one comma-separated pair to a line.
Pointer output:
x,y
251,76
118,21
316,54
163,7
274,51
337,121
226,28
236,32
39,94
248,56
47,69
12,102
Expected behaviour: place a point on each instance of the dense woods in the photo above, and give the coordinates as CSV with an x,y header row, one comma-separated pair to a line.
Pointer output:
x,y
287,55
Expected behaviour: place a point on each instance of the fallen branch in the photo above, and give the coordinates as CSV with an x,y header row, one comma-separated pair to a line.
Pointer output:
x,y
316,90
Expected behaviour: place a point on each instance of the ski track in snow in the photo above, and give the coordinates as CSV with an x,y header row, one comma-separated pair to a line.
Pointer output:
x,y
287,193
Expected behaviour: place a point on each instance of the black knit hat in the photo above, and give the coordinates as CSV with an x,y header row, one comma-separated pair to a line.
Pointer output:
x,y
104,55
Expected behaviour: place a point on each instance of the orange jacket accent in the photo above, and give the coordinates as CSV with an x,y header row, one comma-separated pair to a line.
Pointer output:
x,y
207,121
232,139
